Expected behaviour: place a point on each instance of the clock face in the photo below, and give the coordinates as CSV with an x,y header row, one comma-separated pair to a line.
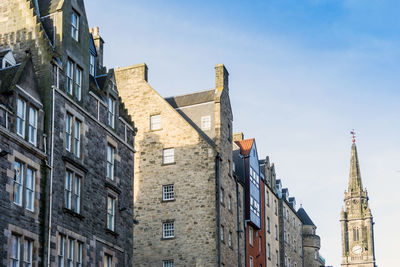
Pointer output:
x,y
357,250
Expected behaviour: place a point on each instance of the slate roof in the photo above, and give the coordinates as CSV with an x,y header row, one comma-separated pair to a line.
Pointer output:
x,y
191,99
7,76
245,146
304,217
3,53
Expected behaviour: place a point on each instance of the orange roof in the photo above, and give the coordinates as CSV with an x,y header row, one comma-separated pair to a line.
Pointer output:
x,y
245,146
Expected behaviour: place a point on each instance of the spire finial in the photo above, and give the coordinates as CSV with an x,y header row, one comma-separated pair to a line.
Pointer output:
x,y
353,133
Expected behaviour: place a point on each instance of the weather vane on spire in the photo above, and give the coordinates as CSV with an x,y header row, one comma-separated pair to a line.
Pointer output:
x,y
353,133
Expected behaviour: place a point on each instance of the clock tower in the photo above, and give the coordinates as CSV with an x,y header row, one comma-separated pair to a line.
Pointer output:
x,y
356,221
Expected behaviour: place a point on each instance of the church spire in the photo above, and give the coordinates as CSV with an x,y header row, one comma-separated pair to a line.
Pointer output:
x,y
355,183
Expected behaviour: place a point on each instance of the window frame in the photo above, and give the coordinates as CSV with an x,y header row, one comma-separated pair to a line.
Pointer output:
x,y
77,138
111,103
171,230
61,250
206,123
70,76
251,236
78,82
168,263
92,64
168,158
75,27
111,212
32,125
72,193
110,162
155,122
68,131
27,252
30,198
21,117
15,254
19,184
167,193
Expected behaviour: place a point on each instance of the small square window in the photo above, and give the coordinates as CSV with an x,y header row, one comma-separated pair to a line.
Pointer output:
x,y
206,123
168,192
168,229
168,156
168,263
155,122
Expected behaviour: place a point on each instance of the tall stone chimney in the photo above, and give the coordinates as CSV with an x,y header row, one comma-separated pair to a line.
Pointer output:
x,y
221,77
99,43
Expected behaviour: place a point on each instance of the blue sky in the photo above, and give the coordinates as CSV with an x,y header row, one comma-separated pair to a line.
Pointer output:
x,y
302,74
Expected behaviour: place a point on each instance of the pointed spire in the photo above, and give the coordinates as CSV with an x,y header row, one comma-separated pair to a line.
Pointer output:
x,y
355,183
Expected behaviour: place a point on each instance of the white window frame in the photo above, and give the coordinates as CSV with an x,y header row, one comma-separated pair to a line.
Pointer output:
x,y
168,229
68,131
21,117
155,122
168,156
206,123
110,162
61,251
77,138
30,189
168,263
75,26
28,253
18,183
78,82
168,192
251,261
71,250
70,76
111,111
69,176
79,256
15,255
32,128
92,63
76,193
111,213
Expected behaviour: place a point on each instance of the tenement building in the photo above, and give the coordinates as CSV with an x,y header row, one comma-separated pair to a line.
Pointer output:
x,y
185,193
254,217
272,226
311,241
66,142
356,220
291,230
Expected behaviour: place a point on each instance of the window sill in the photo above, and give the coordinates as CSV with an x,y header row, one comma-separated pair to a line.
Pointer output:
x,y
168,200
167,238
73,213
166,164
155,130
111,232
70,158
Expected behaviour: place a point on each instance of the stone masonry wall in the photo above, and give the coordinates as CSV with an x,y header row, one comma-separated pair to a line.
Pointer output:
x,y
193,175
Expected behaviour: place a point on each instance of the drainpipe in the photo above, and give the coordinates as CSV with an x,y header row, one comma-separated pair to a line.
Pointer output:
x,y
51,176
245,238
217,162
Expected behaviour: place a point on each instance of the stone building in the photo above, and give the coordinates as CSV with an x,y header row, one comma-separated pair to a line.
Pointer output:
x,y
311,241
185,193
69,171
356,220
291,230
272,227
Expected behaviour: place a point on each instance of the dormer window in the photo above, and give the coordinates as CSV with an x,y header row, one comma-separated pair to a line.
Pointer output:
x,y
75,25
6,59
91,64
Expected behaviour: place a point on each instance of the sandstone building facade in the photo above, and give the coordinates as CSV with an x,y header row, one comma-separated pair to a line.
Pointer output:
x,y
356,220
185,193
69,169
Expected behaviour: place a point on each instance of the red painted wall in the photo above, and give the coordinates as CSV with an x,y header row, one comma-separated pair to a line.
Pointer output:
x,y
254,251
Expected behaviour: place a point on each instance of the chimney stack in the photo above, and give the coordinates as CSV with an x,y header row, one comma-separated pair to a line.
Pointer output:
x,y
98,42
221,77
